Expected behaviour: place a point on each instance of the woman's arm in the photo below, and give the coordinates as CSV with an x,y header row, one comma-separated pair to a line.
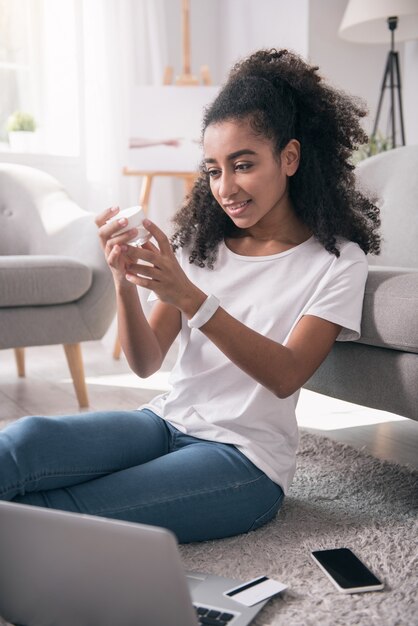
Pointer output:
x,y
144,343
281,369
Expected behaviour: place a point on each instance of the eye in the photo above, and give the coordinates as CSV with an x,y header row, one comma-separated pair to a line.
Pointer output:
x,y
213,172
243,167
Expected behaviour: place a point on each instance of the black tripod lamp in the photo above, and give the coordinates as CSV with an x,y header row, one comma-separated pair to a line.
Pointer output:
x,y
380,21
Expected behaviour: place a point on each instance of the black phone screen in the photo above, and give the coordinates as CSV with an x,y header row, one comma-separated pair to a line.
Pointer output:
x,y
346,569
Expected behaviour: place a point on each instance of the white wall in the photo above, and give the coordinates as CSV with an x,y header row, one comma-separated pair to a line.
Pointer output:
x,y
248,25
409,75
222,31
359,68
205,20
355,68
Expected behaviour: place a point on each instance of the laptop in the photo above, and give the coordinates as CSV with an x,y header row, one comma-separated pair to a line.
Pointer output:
x,y
66,569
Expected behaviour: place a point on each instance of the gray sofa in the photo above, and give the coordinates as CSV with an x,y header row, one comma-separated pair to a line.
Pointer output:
x,y
380,370
55,286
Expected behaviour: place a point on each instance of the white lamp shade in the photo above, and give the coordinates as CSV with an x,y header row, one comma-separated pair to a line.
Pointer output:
x,y
365,21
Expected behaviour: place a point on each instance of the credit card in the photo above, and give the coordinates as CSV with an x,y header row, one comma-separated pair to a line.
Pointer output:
x,y
255,590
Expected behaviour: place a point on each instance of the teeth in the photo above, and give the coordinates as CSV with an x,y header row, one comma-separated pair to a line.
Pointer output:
x,y
238,206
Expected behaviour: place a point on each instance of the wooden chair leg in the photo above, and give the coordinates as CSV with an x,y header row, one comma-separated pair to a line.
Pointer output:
x,y
75,363
20,361
117,349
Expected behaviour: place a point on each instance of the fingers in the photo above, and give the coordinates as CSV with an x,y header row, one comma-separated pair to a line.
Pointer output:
x,y
157,263
114,256
102,218
147,255
110,232
148,252
140,269
140,281
110,229
148,245
159,236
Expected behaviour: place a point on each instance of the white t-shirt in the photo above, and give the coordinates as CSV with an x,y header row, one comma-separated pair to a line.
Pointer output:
x,y
211,397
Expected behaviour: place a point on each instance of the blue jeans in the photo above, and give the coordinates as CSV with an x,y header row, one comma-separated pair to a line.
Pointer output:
x,y
135,466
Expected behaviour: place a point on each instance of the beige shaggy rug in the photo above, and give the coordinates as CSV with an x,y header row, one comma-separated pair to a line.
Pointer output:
x,y
340,497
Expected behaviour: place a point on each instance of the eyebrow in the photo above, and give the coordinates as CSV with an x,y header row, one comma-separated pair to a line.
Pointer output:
x,y
233,155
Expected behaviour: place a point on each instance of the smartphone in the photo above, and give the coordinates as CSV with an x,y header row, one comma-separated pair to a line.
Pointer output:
x,y
346,571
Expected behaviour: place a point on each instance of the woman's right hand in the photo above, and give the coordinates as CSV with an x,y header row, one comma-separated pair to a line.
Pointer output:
x,y
114,246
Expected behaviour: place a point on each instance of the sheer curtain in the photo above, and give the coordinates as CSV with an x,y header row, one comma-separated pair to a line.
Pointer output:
x,y
16,45
38,71
105,86
124,44
74,65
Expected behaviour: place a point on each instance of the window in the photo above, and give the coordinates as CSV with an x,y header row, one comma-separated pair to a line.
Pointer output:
x,y
39,70
15,43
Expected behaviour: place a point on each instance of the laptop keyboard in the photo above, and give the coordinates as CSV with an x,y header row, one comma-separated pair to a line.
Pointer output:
x,y
213,617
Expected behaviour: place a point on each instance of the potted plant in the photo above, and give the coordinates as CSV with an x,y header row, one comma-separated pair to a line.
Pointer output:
x,y
21,128
377,143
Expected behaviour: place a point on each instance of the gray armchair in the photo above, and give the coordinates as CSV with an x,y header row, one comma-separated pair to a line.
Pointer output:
x,y
55,286
380,370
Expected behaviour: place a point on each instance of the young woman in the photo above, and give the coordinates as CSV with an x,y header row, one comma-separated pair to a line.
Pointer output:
x,y
266,269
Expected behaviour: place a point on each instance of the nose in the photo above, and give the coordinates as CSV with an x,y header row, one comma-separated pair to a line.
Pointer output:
x,y
227,185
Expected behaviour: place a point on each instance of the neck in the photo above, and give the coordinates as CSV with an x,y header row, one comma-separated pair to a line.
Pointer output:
x,y
281,224
288,229
276,232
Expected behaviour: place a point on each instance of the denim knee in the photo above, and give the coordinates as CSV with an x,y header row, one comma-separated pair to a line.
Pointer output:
x,y
268,515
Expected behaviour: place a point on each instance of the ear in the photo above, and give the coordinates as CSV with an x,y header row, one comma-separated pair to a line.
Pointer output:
x,y
291,157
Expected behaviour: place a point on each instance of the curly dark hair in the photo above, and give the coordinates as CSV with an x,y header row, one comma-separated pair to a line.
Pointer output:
x,y
284,98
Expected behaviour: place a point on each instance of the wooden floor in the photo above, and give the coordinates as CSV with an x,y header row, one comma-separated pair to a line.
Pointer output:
x,y
47,390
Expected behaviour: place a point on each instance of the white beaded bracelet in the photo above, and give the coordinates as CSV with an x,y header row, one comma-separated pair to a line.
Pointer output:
x,y
205,312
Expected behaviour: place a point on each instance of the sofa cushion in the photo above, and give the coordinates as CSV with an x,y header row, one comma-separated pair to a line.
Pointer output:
x,y
41,280
390,310
391,179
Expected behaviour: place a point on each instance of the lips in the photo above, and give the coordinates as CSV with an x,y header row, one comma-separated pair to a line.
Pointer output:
x,y
236,208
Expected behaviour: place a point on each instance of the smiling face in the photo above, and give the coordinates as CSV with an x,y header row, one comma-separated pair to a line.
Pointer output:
x,y
248,180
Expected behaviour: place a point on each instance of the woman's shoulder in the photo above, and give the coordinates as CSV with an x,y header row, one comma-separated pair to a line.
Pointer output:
x,y
350,250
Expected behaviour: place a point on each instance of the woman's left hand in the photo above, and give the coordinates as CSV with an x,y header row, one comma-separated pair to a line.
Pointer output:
x,y
158,269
